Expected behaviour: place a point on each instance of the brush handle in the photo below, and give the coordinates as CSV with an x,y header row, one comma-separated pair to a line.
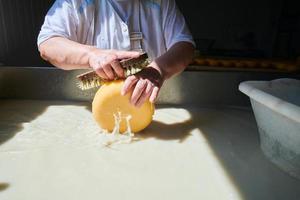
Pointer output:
x,y
87,75
133,61
126,64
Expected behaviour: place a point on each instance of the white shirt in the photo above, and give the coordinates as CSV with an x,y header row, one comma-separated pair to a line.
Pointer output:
x,y
100,23
124,8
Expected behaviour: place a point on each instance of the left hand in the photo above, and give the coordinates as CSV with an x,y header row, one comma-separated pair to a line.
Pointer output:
x,y
144,85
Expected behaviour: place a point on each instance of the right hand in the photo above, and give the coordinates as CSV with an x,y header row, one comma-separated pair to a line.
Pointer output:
x,y
106,63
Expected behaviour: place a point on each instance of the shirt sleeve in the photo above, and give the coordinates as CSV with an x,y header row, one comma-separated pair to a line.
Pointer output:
x,y
174,25
59,22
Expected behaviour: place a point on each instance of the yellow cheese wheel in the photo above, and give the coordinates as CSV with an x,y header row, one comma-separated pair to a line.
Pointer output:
x,y
108,102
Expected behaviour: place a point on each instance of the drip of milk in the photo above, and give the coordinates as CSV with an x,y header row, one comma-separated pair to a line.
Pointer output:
x,y
116,137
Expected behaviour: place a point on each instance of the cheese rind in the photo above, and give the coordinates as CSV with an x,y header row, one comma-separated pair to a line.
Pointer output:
x,y
108,102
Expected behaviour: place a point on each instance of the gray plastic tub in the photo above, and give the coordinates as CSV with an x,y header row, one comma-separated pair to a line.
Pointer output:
x,y
276,106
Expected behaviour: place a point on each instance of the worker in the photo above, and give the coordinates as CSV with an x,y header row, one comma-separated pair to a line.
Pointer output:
x,y
97,34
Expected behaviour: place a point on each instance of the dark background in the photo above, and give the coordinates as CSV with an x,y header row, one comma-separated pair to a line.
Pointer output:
x,y
238,28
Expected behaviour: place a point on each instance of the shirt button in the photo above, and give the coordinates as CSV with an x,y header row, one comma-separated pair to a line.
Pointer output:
x,y
125,30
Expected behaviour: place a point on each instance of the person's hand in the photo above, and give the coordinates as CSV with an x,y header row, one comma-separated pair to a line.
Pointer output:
x,y
106,63
144,86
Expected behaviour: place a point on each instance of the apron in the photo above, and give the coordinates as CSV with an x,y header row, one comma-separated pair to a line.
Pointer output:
x,y
114,32
102,27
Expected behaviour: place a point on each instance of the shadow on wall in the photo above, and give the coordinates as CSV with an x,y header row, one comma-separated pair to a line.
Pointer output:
x,y
19,27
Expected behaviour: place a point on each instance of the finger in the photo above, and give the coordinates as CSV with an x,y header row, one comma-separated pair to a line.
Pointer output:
x,y
154,94
118,69
129,83
108,71
145,96
127,54
138,91
101,73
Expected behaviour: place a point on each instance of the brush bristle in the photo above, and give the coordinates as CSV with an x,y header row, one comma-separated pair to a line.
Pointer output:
x,y
91,80
86,83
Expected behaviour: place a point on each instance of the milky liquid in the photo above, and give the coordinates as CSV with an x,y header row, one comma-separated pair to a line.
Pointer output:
x,y
116,137
54,150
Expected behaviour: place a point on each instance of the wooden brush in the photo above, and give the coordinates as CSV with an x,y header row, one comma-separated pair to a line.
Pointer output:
x,y
131,66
